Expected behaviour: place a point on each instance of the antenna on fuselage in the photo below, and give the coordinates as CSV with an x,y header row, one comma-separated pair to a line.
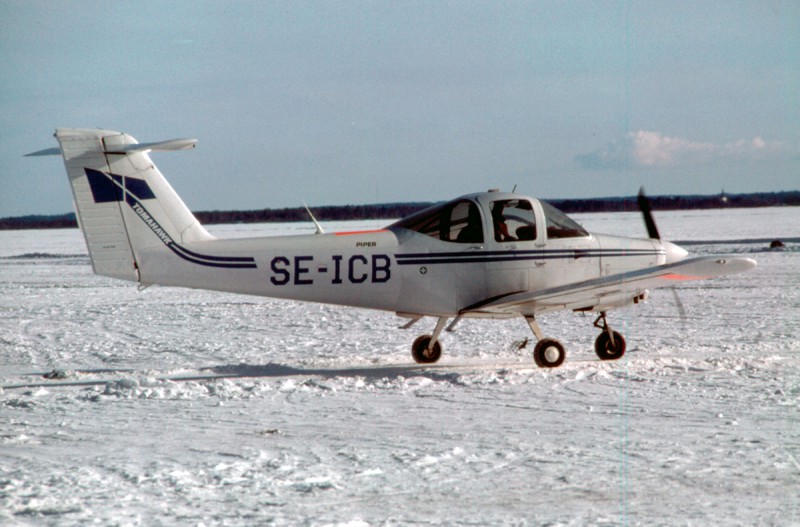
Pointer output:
x,y
514,189
319,230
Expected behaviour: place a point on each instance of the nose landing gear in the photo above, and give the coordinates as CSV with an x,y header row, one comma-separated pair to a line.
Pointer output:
x,y
609,345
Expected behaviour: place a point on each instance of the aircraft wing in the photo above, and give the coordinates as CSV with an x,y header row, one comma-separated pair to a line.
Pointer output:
x,y
604,293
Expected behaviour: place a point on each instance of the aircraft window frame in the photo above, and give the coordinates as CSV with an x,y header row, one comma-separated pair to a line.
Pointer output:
x,y
513,220
559,225
458,221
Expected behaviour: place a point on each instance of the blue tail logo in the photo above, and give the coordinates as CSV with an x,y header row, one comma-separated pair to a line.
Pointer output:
x,y
107,188
110,188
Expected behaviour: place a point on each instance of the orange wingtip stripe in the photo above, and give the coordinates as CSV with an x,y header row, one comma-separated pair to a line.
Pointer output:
x,y
683,277
351,233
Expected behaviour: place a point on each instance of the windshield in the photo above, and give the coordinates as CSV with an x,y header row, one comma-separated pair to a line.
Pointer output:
x,y
559,225
458,222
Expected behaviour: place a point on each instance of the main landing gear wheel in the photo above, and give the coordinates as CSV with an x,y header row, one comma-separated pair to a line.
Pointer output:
x,y
608,350
549,353
421,353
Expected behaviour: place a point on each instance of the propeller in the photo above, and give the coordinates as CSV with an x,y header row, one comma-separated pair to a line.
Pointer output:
x,y
652,232
647,213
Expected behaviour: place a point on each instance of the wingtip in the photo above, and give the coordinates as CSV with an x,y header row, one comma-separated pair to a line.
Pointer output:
x,y
751,263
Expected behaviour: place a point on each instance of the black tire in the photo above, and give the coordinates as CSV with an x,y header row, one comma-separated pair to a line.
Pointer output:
x,y
421,356
549,353
607,351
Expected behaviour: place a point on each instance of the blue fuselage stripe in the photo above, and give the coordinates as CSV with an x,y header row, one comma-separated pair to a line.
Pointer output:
x,y
508,256
208,258
177,249
231,262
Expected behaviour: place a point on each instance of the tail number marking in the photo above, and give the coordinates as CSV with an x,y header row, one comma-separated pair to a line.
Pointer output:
x,y
356,269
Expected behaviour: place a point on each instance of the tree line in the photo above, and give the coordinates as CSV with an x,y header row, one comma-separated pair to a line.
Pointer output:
x,y
389,211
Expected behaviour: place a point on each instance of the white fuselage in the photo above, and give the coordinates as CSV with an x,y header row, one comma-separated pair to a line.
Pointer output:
x,y
396,269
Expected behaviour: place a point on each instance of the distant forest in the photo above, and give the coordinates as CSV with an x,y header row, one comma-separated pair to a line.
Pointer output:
x,y
398,210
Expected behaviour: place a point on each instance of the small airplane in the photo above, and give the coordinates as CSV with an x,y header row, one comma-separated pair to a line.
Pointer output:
x,y
487,255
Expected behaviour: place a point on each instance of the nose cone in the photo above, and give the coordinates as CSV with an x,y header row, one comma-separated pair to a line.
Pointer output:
x,y
675,253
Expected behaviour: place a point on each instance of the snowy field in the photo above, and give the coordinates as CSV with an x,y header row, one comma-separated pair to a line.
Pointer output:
x,y
181,407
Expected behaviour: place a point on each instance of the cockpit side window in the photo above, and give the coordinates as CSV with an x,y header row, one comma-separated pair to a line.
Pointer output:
x,y
513,220
458,222
465,223
559,225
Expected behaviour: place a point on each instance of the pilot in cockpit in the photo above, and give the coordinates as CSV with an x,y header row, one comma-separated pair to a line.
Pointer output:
x,y
499,222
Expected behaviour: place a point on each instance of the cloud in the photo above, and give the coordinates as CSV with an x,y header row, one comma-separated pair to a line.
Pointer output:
x,y
645,149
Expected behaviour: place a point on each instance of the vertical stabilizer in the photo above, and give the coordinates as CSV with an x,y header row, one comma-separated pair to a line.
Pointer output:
x,y
123,203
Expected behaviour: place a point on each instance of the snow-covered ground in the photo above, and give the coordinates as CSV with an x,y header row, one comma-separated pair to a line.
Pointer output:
x,y
182,407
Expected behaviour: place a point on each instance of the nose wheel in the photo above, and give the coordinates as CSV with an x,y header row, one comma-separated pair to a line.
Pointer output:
x,y
609,345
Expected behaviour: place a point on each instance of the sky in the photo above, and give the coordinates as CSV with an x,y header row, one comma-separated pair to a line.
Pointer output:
x,y
347,102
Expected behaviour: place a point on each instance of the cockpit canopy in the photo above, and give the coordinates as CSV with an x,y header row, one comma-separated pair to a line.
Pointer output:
x,y
493,216
458,221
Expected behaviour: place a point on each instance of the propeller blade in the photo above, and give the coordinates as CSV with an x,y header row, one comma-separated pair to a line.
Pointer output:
x,y
647,213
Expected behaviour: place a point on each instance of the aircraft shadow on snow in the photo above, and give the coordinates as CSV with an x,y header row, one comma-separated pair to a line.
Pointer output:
x,y
62,378
243,371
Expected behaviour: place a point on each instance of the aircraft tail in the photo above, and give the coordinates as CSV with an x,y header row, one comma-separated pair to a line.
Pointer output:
x,y
122,202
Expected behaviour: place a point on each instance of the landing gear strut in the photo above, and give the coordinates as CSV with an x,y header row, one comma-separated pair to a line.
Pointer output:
x,y
610,345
